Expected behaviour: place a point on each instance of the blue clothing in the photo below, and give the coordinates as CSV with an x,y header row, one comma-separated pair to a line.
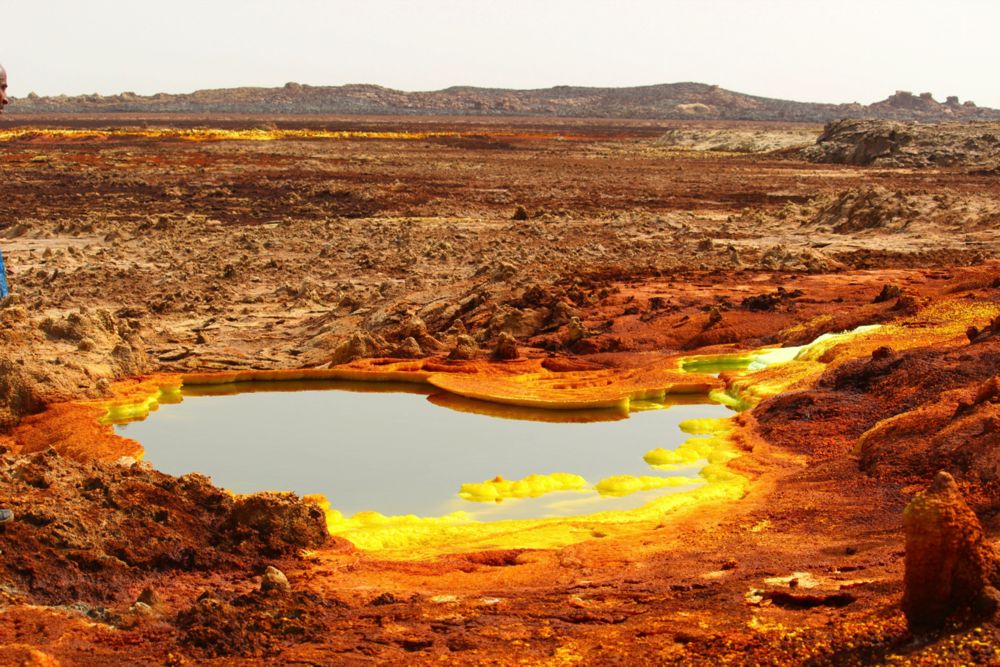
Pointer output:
x,y
4,289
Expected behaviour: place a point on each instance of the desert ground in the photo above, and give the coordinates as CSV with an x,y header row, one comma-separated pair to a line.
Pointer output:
x,y
471,254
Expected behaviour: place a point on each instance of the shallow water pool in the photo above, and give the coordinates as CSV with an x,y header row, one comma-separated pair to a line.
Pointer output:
x,y
405,451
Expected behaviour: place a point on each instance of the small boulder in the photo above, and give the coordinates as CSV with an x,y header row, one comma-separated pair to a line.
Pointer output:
x,y
977,335
149,597
714,317
141,609
384,599
560,313
408,349
888,293
505,348
575,331
883,353
907,304
989,391
413,327
274,582
465,348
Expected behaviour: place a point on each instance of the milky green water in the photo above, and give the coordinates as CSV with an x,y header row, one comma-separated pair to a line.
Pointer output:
x,y
397,452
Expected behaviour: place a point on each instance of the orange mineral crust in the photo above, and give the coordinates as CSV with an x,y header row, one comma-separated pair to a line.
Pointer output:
x,y
80,430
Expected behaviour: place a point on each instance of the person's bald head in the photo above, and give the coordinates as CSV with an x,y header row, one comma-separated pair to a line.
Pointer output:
x,y
3,88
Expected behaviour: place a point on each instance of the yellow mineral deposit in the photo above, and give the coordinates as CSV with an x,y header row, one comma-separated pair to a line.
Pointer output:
x,y
623,485
258,134
165,393
532,486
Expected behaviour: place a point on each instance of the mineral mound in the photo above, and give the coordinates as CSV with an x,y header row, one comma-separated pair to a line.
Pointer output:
x,y
949,566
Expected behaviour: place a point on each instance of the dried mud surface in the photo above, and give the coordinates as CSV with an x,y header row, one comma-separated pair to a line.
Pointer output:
x,y
580,245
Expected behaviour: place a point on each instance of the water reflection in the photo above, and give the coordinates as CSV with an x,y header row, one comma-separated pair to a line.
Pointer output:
x,y
402,449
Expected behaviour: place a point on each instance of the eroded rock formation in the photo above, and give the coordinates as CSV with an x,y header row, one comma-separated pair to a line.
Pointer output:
x,y
950,568
899,144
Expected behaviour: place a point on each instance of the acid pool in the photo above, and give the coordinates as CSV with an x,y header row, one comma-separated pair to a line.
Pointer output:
x,y
408,452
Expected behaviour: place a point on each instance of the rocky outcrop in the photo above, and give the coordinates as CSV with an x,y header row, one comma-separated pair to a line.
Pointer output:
x,y
17,392
358,346
871,211
736,140
898,144
74,540
465,348
505,348
870,207
274,523
903,101
950,568
86,349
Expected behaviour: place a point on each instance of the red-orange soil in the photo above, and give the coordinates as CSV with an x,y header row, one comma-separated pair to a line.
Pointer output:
x,y
139,260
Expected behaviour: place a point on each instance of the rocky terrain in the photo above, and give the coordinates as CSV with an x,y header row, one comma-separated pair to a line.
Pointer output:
x,y
679,101
975,146
138,247
736,139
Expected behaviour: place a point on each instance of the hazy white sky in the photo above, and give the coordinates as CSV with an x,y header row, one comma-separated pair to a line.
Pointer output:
x,y
809,50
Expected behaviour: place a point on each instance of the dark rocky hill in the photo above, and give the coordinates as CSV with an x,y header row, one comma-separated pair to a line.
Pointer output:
x,y
668,101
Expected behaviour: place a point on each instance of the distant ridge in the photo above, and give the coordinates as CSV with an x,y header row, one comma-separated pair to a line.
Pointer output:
x,y
666,101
